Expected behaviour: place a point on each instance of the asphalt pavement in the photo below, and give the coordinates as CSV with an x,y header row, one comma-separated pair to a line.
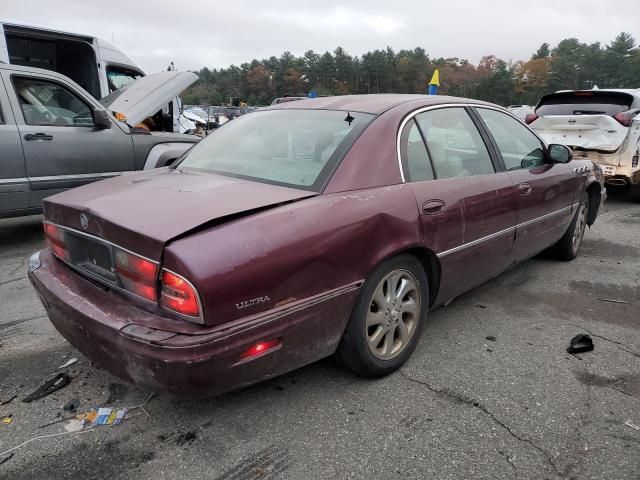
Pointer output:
x,y
489,393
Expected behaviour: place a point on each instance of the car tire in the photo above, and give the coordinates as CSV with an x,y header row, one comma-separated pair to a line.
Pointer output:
x,y
385,323
568,246
634,193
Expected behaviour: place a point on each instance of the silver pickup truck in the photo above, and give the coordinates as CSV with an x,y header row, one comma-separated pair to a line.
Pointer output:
x,y
54,135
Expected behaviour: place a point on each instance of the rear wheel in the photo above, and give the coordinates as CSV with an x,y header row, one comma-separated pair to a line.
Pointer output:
x,y
634,193
568,246
385,323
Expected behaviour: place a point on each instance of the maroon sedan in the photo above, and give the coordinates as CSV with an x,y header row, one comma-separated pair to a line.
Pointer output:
x,y
313,228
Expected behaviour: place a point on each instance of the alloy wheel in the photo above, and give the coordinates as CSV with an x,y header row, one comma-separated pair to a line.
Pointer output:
x,y
393,314
581,225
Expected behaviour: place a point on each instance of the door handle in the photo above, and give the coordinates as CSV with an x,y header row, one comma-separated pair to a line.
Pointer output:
x,y
433,207
525,188
37,136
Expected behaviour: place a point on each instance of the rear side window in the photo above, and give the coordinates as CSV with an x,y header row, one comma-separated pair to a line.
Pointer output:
x,y
454,144
48,103
414,153
584,103
520,149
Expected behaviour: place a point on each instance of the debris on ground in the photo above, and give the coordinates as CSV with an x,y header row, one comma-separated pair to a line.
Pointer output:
x,y
72,405
6,420
8,457
71,361
480,305
613,300
629,423
491,338
580,343
4,402
56,383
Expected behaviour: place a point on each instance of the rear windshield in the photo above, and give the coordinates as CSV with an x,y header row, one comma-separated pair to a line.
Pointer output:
x,y
584,103
297,148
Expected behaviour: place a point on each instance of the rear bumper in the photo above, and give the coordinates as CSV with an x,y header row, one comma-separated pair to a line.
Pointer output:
x,y
142,348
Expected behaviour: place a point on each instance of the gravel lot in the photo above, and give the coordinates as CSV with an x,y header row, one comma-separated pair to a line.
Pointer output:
x,y
463,407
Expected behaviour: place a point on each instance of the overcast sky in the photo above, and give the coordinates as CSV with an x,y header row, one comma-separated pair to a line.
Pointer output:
x,y
198,33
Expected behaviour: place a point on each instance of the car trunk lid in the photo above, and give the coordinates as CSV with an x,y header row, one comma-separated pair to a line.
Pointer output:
x,y
589,132
144,211
583,119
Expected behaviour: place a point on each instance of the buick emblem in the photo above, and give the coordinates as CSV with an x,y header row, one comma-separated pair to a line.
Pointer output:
x,y
84,221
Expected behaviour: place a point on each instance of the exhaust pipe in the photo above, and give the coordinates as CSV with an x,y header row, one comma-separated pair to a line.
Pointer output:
x,y
618,182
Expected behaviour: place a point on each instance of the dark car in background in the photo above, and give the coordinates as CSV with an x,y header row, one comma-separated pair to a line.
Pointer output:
x,y
301,231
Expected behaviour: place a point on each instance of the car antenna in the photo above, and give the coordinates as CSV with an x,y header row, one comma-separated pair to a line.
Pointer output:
x,y
349,118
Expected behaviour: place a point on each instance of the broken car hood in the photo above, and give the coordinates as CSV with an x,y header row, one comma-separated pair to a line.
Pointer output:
x,y
146,95
145,210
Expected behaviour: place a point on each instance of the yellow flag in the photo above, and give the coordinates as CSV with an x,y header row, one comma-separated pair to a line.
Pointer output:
x,y
435,80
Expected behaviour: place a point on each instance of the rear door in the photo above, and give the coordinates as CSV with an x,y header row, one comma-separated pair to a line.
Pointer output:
x,y
62,147
544,192
466,202
14,186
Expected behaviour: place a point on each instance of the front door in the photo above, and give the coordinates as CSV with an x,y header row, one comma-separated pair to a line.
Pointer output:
x,y
466,203
62,147
544,192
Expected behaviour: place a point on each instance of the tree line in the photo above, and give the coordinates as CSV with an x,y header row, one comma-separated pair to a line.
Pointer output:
x,y
571,64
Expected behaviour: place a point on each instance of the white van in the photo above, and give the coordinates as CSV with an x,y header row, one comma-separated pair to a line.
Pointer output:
x,y
95,64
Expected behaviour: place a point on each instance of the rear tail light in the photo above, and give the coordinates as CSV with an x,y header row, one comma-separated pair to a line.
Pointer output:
x,y
634,160
178,295
625,118
137,275
530,118
55,239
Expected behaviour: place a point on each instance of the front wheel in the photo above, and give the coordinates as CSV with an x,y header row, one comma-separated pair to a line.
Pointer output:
x,y
568,246
634,193
385,323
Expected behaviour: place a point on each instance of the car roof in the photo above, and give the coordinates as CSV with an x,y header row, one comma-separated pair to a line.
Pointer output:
x,y
22,68
370,103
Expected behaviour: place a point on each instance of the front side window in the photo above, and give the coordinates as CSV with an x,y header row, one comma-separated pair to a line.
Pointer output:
x,y
48,103
454,143
297,148
520,148
118,77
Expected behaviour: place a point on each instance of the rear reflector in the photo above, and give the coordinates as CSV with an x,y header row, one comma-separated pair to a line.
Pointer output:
x,y
137,275
261,348
177,294
530,118
55,240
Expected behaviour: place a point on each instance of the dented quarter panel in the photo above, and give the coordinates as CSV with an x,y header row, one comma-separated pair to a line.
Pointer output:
x,y
295,251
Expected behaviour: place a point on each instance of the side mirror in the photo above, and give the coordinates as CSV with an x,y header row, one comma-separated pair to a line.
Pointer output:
x,y
101,119
558,153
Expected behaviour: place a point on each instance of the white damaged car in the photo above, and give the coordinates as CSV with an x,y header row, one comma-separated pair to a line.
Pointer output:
x,y
601,125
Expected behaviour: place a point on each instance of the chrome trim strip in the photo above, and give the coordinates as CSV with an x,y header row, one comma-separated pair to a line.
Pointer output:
x,y
505,231
12,181
475,242
72,177
539,219
245,324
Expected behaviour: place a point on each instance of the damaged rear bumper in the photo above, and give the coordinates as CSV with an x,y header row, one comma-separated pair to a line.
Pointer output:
x,y
185,359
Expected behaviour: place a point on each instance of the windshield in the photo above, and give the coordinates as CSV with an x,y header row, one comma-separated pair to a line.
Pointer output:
x,y
584,103
296,148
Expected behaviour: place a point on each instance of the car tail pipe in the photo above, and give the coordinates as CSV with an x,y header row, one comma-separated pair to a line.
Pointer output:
x,y
618,182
